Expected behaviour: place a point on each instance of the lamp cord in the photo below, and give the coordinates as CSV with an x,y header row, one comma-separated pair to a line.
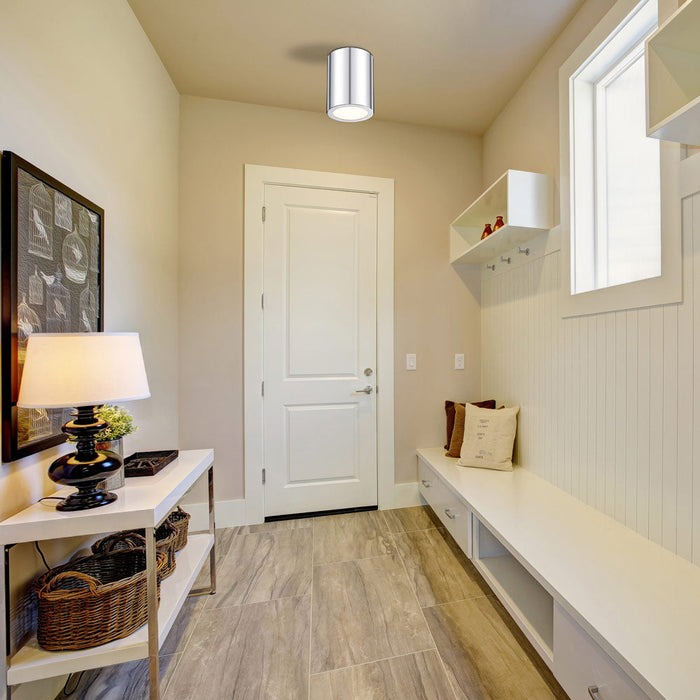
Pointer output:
x,y
68,693
41,554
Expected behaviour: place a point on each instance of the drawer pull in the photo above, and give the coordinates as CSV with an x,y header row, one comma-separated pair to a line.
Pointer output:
x,y
593,692
450,513
426,483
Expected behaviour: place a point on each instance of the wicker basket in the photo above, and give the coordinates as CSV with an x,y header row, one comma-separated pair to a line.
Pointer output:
x,y
135,539
93,600
181,522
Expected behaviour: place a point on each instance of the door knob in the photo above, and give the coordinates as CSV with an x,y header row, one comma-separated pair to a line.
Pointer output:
x,y
367,390
368,371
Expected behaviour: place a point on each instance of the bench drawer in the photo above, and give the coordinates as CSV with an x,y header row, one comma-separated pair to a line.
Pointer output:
x,y
453,514
581,664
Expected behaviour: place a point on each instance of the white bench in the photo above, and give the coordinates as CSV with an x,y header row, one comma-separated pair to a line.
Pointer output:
x,y
604,607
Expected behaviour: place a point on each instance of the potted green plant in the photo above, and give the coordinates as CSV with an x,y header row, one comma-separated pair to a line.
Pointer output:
x,y
120,423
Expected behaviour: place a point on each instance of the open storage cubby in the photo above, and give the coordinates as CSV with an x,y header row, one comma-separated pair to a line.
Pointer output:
x,y
526,600
673,77
523,199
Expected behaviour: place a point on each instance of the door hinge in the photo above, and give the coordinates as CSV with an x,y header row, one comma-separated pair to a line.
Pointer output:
x,y
262,300
263,480
263,214
262,389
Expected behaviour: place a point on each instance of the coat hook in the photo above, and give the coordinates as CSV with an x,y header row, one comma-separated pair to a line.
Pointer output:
x,y
491,267
526,251
505,260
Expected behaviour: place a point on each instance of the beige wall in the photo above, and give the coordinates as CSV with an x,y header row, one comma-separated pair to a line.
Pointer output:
x,y
436,174
85,98
525,135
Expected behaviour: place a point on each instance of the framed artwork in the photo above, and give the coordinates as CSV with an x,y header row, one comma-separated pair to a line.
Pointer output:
x,y
52,249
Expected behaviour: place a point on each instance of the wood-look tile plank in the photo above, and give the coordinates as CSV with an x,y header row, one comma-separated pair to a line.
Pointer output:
x,y
364,610
292,524
121,682
486,655
264,566
438,569
350,536
412,677
222,540
320,687
249,651
183,626
409,519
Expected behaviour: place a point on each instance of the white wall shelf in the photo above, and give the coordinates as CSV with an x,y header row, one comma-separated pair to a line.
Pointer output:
x,y
673,77
523,199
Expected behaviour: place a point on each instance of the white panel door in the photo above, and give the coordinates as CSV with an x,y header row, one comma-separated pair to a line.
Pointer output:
x,y
319,281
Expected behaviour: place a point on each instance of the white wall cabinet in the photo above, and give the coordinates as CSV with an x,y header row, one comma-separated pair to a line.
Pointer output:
x,y
523,199
673,77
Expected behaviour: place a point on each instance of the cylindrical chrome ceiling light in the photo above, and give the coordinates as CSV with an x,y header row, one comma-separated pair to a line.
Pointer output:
x,y
350,96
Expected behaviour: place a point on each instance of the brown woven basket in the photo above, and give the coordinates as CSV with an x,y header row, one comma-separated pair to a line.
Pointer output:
x,y
181,522
135,539
93,600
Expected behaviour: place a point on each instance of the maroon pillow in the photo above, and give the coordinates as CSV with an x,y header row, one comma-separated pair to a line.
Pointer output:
x,y
450,415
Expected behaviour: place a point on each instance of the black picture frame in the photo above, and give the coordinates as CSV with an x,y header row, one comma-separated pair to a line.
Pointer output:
x,y
52,280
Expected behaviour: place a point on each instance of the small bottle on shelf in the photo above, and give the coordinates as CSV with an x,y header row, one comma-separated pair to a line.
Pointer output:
x,y
487,231
499,223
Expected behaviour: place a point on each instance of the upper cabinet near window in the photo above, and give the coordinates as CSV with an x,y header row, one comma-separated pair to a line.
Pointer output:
x,y
523,199
673,77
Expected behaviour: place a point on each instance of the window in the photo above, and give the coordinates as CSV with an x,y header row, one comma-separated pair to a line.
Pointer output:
x,y
616,226
612,207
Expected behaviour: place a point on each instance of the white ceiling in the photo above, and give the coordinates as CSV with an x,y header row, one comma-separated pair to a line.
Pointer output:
x,y
445,63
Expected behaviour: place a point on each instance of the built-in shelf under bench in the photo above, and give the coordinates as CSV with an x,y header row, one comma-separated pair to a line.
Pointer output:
x,y
614,615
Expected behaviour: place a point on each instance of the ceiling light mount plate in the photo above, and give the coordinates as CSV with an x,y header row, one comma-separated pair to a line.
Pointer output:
x,y
350,95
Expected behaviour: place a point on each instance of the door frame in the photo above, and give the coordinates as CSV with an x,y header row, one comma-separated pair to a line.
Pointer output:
x,y
256,177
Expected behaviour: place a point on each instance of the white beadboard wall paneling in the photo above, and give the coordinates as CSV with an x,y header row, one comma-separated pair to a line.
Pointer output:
x,y
656,434
610,403
694,215
684,477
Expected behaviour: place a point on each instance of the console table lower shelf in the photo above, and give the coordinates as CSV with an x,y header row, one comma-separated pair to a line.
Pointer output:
x,y
32,663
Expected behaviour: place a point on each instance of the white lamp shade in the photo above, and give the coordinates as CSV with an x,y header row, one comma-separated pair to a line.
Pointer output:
x,y
82,369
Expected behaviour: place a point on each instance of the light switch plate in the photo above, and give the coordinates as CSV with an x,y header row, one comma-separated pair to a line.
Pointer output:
x,y
459,360
411,362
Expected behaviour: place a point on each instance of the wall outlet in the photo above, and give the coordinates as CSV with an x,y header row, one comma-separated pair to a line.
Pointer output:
x,y
459,361
411,362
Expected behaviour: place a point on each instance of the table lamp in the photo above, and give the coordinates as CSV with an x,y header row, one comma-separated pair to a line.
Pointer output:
x,y
83,370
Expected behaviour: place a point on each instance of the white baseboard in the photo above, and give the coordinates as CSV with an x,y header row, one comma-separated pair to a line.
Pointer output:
x,y
232,513
405,496
226,514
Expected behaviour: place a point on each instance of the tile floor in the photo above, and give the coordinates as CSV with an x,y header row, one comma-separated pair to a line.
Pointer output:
x,y
376,605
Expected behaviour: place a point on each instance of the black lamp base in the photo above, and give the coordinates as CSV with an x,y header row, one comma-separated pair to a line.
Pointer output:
x,y
85,499
87,467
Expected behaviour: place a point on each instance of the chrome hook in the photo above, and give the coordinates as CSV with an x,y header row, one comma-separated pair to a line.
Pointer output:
x,y
491,267
525,251
505,260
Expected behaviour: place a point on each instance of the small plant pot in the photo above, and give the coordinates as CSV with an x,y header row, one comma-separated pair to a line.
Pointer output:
x,y
116,481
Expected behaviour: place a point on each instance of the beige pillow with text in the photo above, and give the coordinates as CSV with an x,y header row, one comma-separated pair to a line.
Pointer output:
x,y
488,437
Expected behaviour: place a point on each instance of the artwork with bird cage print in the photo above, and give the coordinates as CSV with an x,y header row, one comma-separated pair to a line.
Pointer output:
x,y
52,269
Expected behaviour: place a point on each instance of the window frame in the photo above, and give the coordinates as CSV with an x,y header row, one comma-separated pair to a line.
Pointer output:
x,y
653,291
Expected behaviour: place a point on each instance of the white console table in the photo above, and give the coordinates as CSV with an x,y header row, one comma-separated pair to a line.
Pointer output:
x,y
144,502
